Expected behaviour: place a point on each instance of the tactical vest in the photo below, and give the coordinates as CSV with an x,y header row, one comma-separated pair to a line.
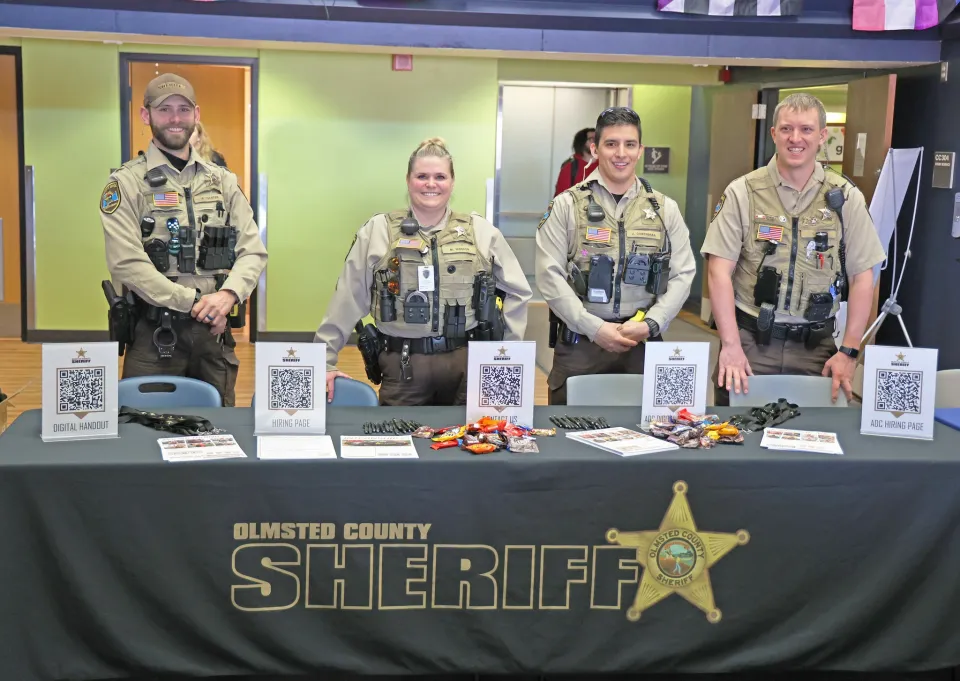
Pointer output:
x,y
804,270
207,242
453,255
640,230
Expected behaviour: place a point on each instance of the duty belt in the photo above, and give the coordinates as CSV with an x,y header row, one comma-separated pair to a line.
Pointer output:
x,y
432,345
802,333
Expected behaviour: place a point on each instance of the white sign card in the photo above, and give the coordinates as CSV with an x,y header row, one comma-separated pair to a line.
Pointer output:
x,y
500,380
377,447
899,392
200,448
675,377
295,447
79,391
291,389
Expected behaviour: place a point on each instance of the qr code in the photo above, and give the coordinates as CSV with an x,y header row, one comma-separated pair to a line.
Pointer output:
x,y
80,391
674,385
291,388
899,390
501,385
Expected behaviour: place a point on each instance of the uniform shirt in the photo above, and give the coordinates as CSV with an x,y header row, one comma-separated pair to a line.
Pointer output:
x,y
128,262
557,237
731,225
351,299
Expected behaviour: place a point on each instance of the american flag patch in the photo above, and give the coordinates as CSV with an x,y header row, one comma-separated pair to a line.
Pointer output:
x,y
769,233
598,234
166,199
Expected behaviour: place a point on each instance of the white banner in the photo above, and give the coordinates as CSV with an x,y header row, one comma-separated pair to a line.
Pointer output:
x,y
895,177
500,380
291,389
79,391
899,392
675,376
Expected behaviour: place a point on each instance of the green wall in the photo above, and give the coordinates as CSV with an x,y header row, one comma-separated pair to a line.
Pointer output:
x,y
665,117
336,131
615,73
71,133
134,48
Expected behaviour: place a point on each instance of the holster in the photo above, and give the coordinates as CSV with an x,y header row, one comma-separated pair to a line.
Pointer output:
x,y
554,329
369,344
122,316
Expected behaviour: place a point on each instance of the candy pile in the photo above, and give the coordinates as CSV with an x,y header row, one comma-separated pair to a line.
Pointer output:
x,y
693,431
485,436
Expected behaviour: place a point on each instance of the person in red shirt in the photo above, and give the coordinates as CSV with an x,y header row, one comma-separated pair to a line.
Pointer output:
x,y
576,168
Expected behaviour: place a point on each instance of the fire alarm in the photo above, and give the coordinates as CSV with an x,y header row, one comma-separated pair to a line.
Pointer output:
x,y
403,62
725,74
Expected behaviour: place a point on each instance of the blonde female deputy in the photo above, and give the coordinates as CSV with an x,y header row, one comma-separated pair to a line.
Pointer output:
x,y
427,275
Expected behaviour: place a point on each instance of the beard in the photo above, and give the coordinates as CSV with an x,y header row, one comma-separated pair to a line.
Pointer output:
x,y
173,141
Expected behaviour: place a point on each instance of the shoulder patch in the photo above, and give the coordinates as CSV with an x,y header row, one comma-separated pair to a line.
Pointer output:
x,y
110,199
719,206
546,214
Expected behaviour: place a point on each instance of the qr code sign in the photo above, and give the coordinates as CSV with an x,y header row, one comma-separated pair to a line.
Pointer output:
x,y
674,385
899,391
80,391
501,385
291,388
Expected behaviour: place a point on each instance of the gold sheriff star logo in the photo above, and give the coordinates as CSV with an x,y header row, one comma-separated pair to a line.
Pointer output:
x,y
676,558
291,353
81,353
901,356
676,352
502,351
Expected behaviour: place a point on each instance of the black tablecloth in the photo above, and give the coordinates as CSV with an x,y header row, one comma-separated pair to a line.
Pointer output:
x,y
118,563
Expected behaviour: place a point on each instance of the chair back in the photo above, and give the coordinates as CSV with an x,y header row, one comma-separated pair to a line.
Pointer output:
x,y
948,388
166,392
804,391
350,393
605,390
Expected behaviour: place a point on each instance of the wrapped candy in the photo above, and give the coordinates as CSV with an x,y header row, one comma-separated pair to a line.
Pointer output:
x,y
522,445
543,432
424,432
692,431
481,448
451,434
494,439
445,444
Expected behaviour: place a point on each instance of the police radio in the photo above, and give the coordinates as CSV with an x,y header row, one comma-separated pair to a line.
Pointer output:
x,y
835,200
410,225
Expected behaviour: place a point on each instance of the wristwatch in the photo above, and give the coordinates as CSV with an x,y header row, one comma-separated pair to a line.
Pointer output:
x,y
654,327
853,353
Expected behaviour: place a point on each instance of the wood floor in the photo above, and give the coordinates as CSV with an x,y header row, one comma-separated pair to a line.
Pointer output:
x,y
20,366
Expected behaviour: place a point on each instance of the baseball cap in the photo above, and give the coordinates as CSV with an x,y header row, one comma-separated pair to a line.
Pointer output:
x,y
166,85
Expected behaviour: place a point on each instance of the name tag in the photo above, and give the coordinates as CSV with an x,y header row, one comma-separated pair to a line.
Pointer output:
x,y
645,234
461,247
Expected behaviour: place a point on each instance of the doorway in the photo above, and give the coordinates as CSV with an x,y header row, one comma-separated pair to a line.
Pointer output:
x,y
536,126
226,90
11,194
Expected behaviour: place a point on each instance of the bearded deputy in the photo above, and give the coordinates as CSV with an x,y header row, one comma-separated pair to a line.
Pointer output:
x,y
181,239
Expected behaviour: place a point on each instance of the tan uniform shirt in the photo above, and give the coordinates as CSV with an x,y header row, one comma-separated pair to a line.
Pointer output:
x,y
731,226
557,238
128,262
351,299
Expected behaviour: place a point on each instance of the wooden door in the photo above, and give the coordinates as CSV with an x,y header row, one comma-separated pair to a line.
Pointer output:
x,y
732,149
